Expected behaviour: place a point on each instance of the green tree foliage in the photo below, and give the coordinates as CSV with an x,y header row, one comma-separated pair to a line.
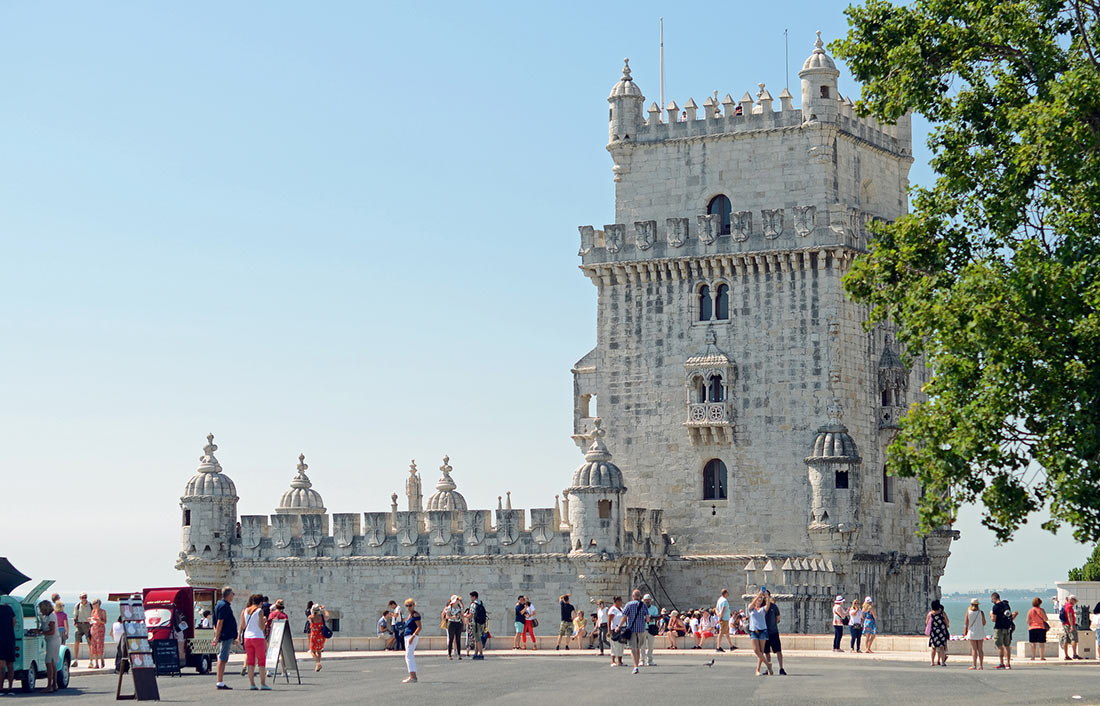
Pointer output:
x,y
1090,571
994,277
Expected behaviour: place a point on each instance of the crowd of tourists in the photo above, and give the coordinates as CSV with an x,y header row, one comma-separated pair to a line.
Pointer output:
x,y
1002,621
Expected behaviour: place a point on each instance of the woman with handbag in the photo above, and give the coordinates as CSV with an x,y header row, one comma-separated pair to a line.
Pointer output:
x,y
530,622
936,627
412,637
975,633
319,632
616,623
452,623
1037,627
840,619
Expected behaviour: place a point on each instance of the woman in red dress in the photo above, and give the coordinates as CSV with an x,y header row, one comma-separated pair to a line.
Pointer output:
x,y
317,618
99,631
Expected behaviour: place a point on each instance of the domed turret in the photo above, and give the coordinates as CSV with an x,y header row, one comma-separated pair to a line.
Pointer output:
x,y
833,467
819,74
595,507
301,499
209,505
445,496
626,101
209,481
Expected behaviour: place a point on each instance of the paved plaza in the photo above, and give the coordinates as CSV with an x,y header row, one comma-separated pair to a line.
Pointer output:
x,y
557,679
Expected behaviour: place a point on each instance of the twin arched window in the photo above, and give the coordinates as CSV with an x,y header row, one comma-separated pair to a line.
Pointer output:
x,y
716,305
721,206
714,480
709,390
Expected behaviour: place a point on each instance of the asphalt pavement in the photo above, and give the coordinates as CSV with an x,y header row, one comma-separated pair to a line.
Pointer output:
x,y
559,679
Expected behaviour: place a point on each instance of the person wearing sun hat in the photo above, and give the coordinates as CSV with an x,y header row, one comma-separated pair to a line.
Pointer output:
x,y
870,622
840,616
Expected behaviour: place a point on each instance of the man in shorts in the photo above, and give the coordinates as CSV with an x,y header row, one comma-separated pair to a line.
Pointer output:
x,y
521,617
565,628
479,619
1003,617
773,644
225,633
635,614
82,627
722,610
1068,616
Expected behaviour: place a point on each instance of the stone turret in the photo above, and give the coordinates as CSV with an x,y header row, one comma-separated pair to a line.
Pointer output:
x,y
209,505
819,94
301,498
626,101
595,508
445,496
834,473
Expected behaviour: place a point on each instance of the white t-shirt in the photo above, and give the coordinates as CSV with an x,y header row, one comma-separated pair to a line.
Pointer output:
x,y
693,625
117,631
616,616
529,611
601,616
723,608
855,617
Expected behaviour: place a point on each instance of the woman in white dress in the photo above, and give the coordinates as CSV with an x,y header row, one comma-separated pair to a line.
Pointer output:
x,y
975,632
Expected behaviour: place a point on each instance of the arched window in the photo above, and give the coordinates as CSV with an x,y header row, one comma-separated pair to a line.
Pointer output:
x,y
700,387
715,393
186,517
603,509
886,397
720,205
841,482
714,480
722,305
706,306
887,486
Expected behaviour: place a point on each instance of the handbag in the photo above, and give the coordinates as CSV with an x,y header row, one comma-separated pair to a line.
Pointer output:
x,y
652,628
625,634
928,625
534,622
326,631
443,624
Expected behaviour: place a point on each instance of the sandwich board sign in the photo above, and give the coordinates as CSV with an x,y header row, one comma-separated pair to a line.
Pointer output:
x,y
280,649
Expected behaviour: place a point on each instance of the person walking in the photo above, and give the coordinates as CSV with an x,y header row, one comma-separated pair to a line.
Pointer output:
x,y
520,609
97,634
616,621
225,633
317,636
870,623
839,619
82,626
1068,617
1037,627
602,626
452,616
975,633
397,627
771,618
479,620
255,643
937,626
530,622
725,617
413,624
635,614
8,626
565,627
47,622
651,629
1003,619
855,625
758,630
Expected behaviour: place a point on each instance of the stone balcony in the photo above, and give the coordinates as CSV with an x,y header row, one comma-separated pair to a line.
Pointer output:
x,y
710,423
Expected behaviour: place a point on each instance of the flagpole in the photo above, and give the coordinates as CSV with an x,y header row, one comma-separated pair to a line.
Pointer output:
x,y
662,105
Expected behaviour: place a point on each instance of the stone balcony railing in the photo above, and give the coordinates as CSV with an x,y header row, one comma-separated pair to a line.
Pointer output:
x,y
708,414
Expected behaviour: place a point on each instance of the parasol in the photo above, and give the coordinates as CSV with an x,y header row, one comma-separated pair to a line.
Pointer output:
x,y
10,577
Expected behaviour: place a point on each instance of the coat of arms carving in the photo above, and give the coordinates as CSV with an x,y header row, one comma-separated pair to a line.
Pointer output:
x,y
345,528
282,530
805,218
772,222
475,527
252,530
439,526
614,236
312,530
645,234
588,237
542,520
710,225
677,231
508,522
741,225
375,533
408,528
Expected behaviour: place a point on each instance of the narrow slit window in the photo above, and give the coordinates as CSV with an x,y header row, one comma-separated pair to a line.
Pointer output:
x,y
722,303
706,305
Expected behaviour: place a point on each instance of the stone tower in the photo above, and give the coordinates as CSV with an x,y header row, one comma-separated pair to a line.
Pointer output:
x,y
595,508
726,348
209,505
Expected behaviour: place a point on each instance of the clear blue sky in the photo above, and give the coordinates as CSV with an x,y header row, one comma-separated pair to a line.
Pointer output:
x,y
338,228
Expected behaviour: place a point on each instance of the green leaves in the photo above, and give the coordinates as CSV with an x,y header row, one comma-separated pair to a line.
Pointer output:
x,y
994,278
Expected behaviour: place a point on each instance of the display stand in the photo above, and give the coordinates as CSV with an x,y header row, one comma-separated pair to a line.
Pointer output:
x,y
136,652
280,649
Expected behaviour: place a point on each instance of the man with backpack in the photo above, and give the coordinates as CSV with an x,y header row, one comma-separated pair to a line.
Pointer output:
x,y
480,618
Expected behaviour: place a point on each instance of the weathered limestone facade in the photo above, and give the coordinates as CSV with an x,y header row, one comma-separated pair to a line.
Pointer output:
x,y
746,404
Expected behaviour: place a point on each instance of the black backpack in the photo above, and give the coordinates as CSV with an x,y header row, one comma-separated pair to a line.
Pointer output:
x,y
481,616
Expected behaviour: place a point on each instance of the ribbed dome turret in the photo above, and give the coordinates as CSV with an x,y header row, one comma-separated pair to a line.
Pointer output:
x,y
301,499
597,471
626,85
819,60
445,496
832,444
209,481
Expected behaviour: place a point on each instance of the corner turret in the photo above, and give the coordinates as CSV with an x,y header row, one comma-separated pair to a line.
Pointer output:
x,y
625,115
819,94
595,508
833,467
209,508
